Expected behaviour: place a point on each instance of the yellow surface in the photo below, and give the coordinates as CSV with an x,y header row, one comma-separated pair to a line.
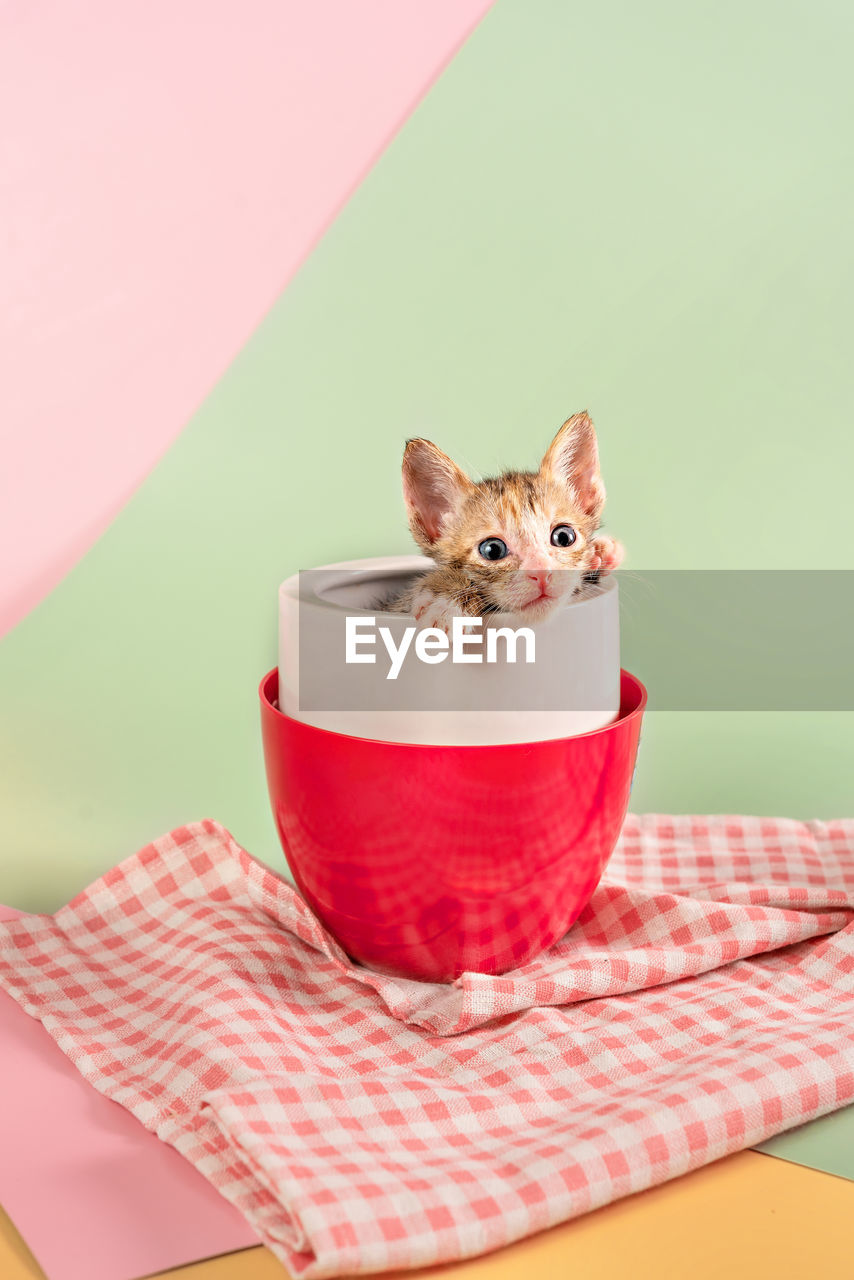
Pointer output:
x,y
16,1261
747,1216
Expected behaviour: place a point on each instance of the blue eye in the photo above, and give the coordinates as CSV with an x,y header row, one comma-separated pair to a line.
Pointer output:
x,y
563,535
493,549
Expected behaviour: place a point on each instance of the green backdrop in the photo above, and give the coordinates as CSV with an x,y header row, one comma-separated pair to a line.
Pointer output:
x,y
645,210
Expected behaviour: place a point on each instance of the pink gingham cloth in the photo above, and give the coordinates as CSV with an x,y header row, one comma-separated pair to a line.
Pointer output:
x,y
703,1002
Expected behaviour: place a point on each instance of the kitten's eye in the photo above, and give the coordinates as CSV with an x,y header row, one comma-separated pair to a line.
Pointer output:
x,y
493,549
563,535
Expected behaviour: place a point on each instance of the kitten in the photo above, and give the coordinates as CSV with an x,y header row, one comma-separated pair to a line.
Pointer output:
x,y
523,543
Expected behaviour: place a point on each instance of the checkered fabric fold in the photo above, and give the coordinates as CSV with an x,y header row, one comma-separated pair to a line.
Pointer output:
x,y
703,1002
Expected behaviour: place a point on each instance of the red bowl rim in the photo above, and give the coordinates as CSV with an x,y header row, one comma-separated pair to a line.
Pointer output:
x,y
269,687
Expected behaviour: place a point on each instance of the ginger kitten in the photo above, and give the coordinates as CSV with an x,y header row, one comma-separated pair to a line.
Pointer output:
x,y
523,543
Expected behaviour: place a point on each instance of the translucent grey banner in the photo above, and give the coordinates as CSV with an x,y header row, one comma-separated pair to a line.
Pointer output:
x,y
700,640
741,640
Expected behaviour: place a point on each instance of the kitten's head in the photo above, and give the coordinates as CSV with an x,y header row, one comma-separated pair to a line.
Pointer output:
x,y
523,538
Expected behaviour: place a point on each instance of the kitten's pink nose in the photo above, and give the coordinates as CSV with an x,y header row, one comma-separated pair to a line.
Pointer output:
x,y
542,577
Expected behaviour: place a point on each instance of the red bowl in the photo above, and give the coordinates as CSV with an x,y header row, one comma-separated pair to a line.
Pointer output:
x,y
427,861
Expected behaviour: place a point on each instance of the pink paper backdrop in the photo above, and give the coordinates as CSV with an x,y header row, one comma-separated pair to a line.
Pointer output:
x,y
163,170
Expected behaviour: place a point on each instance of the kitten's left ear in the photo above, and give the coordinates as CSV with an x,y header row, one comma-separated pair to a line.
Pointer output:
x,y
572,459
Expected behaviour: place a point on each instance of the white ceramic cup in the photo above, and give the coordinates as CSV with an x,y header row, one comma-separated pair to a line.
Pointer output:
x,y
571,687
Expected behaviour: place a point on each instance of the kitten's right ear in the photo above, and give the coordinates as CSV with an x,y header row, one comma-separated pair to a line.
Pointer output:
x,y
572,459
434,487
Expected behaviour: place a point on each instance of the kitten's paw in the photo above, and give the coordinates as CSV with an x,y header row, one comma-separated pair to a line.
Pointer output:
x,y
430,610
607,555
